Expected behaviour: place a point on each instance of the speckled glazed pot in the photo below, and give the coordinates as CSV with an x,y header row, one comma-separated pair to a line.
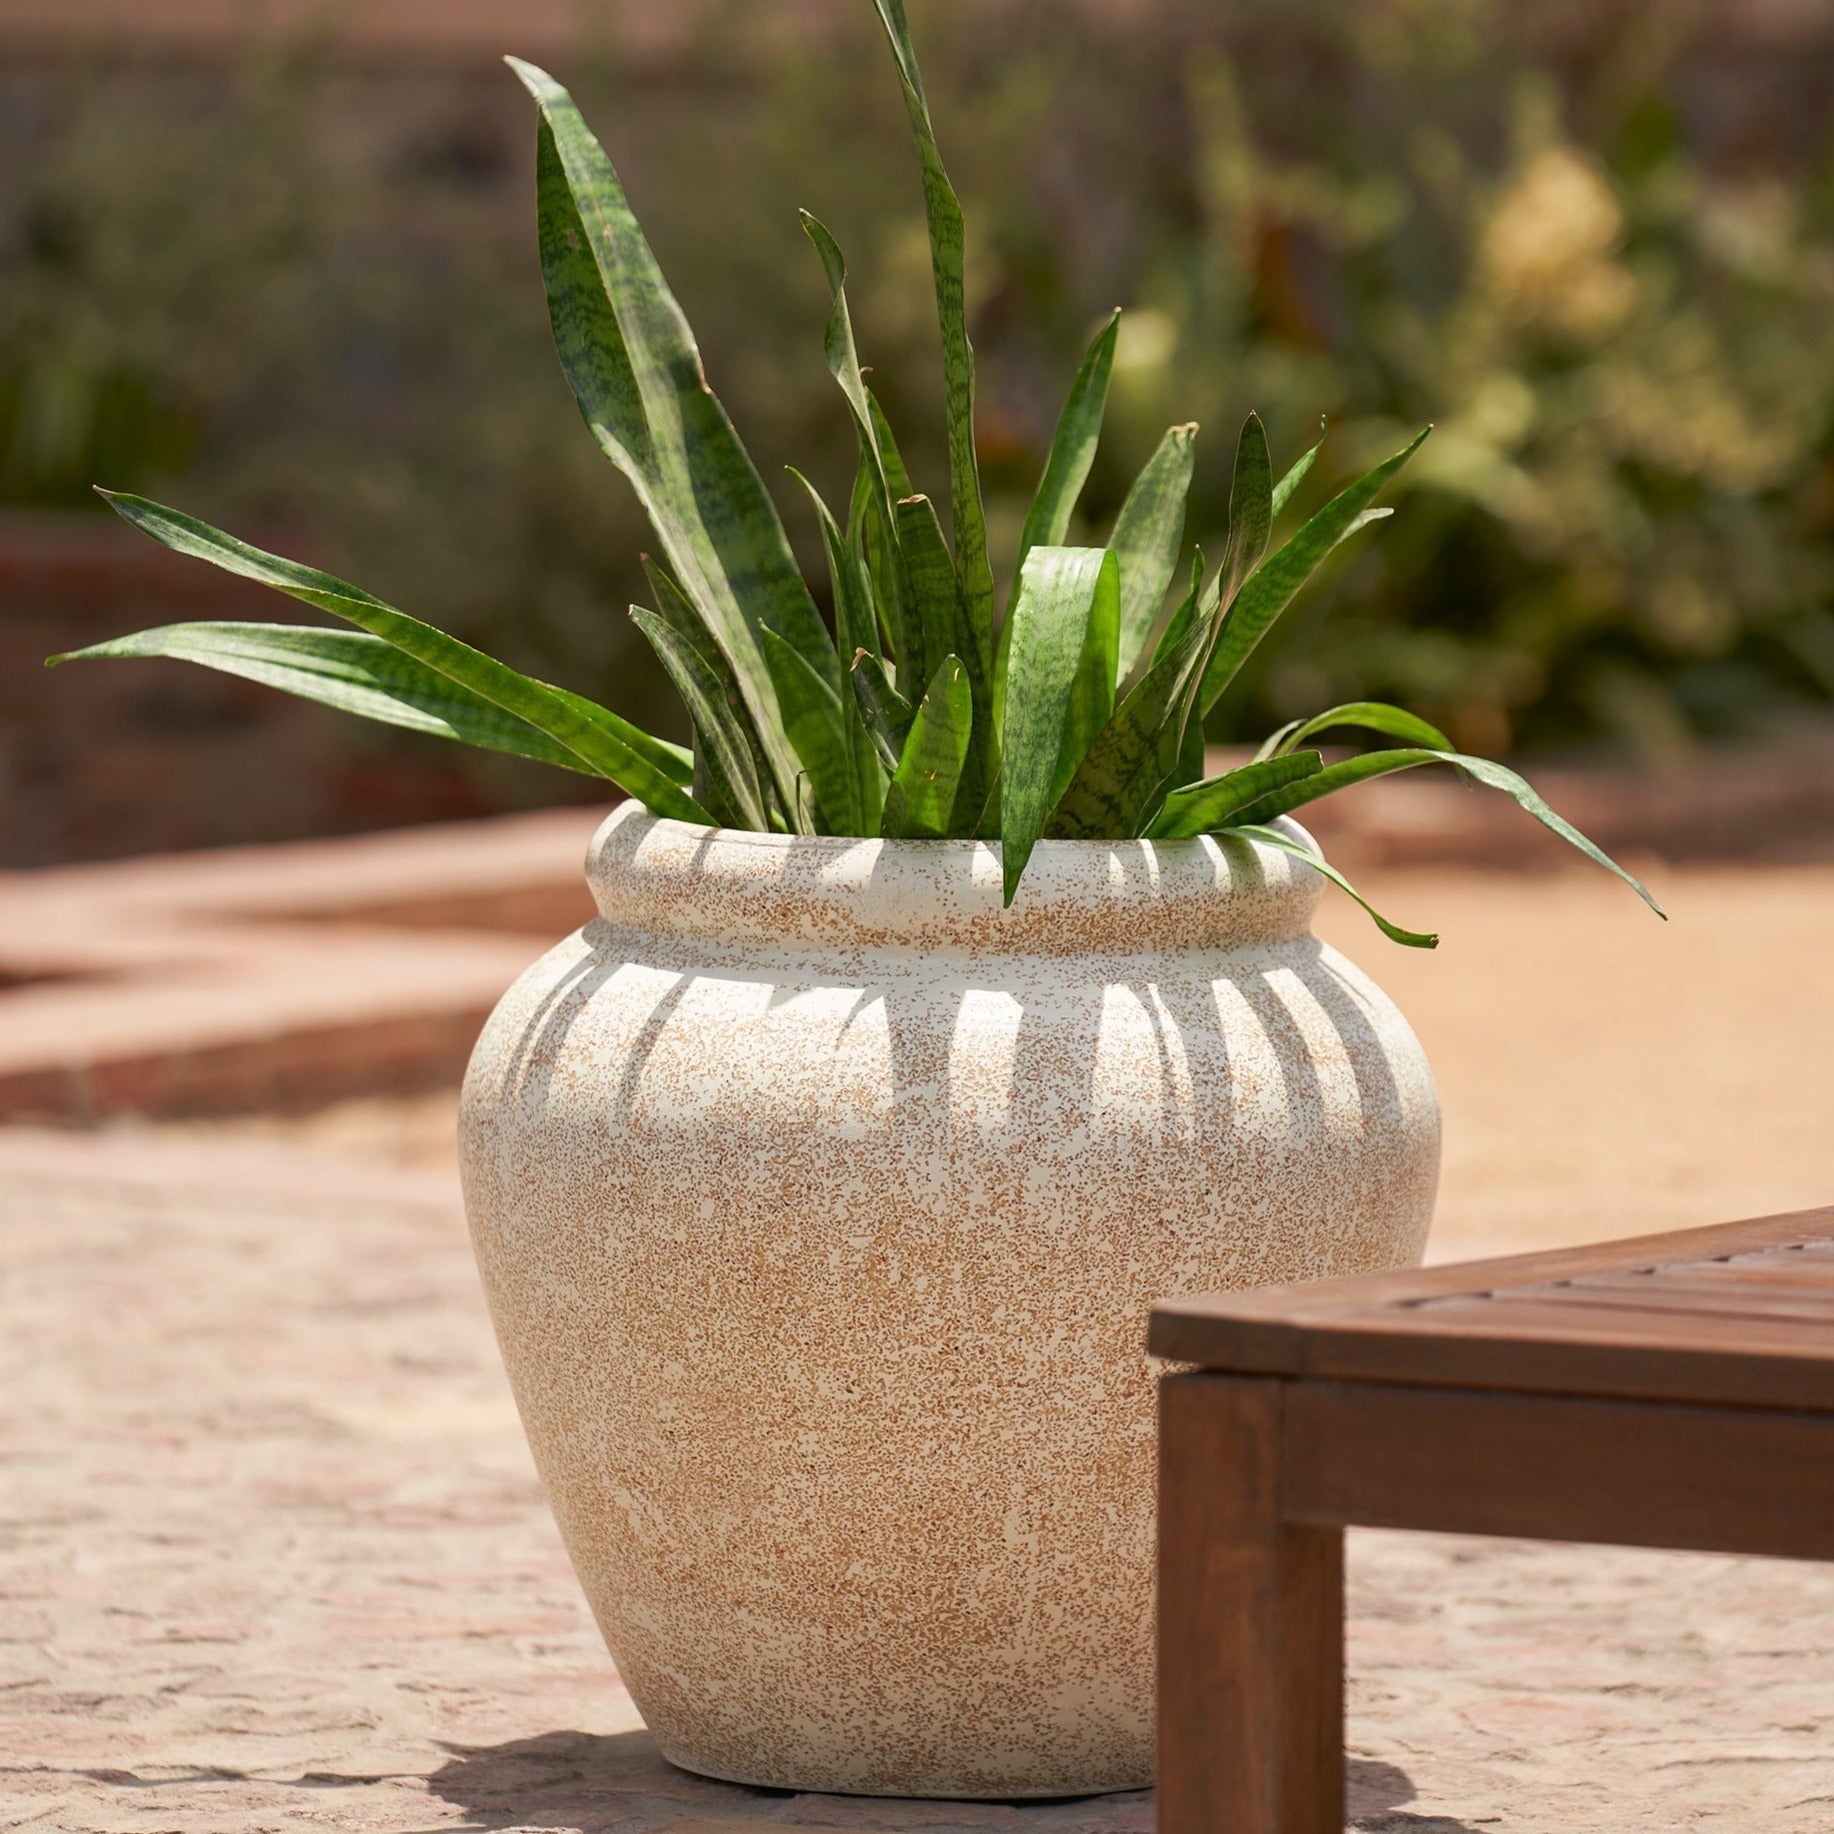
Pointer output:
x,y
820,1202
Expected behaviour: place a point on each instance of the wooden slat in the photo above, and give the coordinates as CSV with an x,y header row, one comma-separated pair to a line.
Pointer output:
x,y
1423,1326
1713,1479
1800,1275
1251,1607
1686,1298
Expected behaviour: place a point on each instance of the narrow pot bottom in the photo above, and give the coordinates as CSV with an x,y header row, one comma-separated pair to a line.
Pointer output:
x,y
1059,1790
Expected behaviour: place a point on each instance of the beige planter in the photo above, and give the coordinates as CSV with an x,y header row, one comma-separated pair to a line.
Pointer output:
x,y
820,1203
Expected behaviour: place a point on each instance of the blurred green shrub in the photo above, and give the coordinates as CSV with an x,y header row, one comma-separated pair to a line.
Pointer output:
x,y
309,290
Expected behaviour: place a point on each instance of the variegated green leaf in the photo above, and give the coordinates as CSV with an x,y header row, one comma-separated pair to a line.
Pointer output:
x,y
1287,843
1251,516
1269,591
944,622
921,798
1117,787
887,713
1496,776
673,607
854,633
1200,808
608,746
1147,536
636,373
815,719
346,669
1296,474
943,213
1066,608
734,794
1073,445
1369,715
935,606
838,343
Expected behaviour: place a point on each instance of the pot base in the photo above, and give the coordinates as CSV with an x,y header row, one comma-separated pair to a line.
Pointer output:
x,y
1075,1792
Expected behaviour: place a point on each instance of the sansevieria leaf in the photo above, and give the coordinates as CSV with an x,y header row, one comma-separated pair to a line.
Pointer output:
x,y
1295,474
1287,843
948,258
607,745
1369,715
815,719
1496,776
1251,517
1079,429
734,795
1200,808
346,669
1067,606
944,621
1117,787
636,372
887,713
921,797
1147,536
673,608
838,344
1270,589
855,632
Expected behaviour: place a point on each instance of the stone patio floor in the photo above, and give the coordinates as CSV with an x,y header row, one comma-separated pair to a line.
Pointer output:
x,y
273,1556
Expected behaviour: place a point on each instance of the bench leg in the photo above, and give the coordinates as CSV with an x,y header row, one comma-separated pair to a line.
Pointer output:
x,y
1251,1624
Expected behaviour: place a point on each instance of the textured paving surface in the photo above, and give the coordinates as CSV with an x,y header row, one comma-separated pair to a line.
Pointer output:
x,y
274,1558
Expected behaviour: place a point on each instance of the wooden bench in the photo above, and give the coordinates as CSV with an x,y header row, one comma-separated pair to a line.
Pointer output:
x,y
1674,1391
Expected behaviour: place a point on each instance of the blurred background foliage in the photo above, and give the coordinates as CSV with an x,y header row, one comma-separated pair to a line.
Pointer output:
x,y
299,296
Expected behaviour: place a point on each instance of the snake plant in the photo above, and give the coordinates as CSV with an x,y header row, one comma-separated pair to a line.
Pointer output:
x,y
921,715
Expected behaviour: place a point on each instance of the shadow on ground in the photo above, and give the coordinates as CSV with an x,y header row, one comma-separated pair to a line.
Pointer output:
x,y
590,1783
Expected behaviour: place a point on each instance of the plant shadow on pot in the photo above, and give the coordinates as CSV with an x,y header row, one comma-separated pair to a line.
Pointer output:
x,y
597,1782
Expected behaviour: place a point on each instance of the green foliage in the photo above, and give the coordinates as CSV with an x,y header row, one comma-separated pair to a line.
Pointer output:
x,y
805,732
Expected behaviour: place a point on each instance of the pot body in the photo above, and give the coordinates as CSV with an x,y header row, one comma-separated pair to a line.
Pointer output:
x,y
820,1202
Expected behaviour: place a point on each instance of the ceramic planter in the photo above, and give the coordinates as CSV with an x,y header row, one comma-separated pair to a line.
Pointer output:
x,y
820,1202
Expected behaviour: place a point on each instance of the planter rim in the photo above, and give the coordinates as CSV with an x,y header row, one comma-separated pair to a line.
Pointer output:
x,y
736,886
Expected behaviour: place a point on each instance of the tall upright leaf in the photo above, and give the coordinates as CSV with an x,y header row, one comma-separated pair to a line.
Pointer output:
x,y
855,632
636,372
734,795
816,722
897,474
943,621
838,344
925,788
673,607
1147,536
1117,787
943,213
1251,515
611,747
1066,606
1073,444
888,715
1270,590
1295,474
